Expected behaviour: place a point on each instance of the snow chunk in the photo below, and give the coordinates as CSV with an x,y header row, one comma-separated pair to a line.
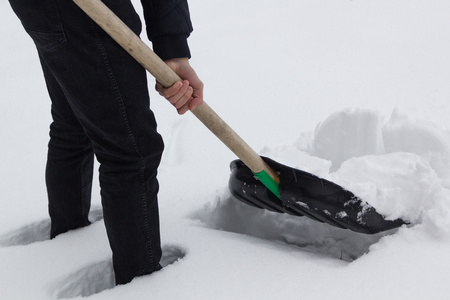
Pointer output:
x,y
397,185
348,133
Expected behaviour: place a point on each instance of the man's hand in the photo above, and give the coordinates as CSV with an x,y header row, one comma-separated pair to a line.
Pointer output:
x,y
184,95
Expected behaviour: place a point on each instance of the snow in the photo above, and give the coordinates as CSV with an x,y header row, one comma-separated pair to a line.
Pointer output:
x,y
353,91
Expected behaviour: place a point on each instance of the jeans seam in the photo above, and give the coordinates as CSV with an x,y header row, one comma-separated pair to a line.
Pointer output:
x,y
122,109
84,208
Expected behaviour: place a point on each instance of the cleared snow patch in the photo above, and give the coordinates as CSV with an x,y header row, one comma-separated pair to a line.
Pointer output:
x,y
228,214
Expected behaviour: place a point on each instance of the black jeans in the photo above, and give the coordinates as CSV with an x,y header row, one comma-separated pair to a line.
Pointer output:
x,y
100,105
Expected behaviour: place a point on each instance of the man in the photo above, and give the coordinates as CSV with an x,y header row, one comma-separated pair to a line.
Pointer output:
x,y
100,106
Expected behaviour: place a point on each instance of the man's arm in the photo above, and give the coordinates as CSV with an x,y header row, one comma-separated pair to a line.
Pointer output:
x,y
168,26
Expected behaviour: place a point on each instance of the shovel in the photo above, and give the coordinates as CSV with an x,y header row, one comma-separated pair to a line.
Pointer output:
x,y
254,180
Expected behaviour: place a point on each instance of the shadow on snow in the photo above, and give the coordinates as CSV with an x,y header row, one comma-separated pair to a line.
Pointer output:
x,y
228,214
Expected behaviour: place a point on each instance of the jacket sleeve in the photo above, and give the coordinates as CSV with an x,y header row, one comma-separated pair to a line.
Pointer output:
x,y
168,26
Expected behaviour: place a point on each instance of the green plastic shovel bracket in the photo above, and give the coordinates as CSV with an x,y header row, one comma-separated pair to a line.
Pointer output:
x,y
268,182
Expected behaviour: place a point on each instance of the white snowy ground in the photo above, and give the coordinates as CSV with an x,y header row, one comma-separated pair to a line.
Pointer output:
x,y
354,91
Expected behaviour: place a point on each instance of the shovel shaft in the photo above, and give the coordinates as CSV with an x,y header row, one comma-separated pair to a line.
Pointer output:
x,y
125,37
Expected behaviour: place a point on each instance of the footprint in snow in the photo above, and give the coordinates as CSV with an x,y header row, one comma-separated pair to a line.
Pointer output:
x,y
98,277
38,231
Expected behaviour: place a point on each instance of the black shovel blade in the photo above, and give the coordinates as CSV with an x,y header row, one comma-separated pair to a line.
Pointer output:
x,y
304,194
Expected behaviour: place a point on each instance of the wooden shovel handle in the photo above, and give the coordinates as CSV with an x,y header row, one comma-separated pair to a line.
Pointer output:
x,y
125,37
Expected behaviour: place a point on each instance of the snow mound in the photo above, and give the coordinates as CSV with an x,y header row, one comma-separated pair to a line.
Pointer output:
x,y
346,134
400,166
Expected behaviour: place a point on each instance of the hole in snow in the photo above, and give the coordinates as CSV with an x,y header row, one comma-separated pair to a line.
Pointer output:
x,y
171,254
98,277
31,233
229,214
38,231
85,282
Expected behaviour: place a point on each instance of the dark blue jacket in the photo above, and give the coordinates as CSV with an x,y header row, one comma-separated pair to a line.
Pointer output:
x,y
168,27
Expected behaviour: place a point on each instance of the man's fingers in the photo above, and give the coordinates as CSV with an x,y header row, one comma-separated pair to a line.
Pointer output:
x,y
184,98
181,97
184,95
182,110
171,91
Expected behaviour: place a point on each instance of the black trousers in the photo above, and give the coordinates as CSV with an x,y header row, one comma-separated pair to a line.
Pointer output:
x,y
101,107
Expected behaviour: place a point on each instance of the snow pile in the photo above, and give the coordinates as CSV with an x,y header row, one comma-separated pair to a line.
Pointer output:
x,y
399,166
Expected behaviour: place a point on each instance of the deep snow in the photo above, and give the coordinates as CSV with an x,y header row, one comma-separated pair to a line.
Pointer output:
x,y
354,91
